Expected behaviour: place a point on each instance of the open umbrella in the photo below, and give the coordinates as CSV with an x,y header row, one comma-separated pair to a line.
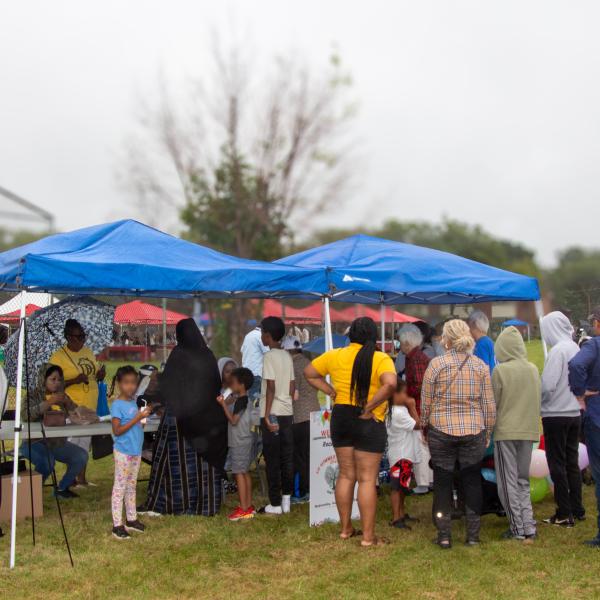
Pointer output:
x,y
44,333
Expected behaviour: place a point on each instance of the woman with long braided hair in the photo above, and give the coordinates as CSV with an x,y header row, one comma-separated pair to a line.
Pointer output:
x,y
362,380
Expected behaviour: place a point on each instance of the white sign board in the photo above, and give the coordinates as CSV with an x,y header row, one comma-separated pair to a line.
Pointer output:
x,y
323,472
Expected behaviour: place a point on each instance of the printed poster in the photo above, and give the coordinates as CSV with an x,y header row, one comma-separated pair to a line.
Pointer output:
x,y
324,471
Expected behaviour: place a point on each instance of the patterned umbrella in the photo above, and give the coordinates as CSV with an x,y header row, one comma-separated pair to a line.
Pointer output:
x,y
44,333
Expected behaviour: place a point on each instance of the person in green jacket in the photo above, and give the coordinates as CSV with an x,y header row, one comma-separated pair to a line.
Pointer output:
x,y
517,391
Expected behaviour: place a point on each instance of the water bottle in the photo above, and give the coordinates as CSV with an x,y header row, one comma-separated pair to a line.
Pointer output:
x,y
274,421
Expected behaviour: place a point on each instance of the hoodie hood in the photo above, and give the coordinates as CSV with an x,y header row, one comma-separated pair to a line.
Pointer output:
x,y
510,346
556,328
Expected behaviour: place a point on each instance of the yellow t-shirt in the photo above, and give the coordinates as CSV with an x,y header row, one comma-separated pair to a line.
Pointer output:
x,y
74,363
338,365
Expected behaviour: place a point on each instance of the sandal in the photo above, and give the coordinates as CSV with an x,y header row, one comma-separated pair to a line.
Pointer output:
x,y
444,543
347,536
377,541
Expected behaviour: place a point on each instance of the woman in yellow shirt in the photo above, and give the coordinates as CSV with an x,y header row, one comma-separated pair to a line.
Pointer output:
x,y
362,380
81,373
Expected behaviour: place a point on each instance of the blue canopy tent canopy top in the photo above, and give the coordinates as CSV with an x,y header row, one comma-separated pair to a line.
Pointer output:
x,y
367,269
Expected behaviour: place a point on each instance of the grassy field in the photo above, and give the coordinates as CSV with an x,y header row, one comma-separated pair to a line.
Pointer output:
x,y
184,557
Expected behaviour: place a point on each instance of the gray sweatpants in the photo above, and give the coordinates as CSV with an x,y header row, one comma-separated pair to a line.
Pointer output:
x,y
512,459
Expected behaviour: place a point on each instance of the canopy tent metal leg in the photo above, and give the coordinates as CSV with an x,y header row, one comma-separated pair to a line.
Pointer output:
x,y
164,328
382,314
328,336
539,310
17,440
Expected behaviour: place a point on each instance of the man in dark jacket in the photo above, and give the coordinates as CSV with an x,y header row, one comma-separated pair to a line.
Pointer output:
x,y
584,379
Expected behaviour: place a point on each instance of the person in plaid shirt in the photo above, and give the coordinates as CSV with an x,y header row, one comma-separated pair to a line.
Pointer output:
x,y
411,342
458,413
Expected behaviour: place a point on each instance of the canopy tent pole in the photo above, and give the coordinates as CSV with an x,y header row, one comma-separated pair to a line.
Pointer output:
x,y
328,337
164,328
539,309
13,518
382,313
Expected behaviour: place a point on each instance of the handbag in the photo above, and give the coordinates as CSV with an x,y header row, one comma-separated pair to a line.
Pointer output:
x,y
102,446
82,415
55,418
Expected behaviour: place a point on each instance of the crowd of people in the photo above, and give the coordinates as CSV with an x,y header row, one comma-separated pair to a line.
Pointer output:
x,y
436,412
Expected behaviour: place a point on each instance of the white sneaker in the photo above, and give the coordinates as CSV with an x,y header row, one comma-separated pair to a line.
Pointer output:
x,y
421,489
272,510
285,504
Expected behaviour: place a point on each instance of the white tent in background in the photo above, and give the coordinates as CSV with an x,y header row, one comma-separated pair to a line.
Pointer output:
x,y
39,299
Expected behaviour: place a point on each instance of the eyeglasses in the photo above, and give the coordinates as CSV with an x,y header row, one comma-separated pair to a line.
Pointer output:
x,y
78,336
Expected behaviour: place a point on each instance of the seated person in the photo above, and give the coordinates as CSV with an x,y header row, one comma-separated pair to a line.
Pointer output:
x,y
49,395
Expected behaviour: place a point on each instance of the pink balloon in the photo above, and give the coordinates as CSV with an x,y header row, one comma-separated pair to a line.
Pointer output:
x,y
539,464
584,461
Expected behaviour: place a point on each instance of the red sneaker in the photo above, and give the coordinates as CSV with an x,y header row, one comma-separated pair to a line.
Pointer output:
x,y
237,514
247,514
252,508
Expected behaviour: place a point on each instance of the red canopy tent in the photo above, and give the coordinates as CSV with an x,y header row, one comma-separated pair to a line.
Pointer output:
x,y
354,311
14,316
142,313
309,314
314,313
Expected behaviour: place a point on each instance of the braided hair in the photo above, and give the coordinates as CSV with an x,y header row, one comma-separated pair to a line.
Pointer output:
x,y
362,331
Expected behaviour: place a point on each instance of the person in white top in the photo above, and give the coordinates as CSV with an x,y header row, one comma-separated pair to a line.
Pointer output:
x,y
404,451
253,352
277,417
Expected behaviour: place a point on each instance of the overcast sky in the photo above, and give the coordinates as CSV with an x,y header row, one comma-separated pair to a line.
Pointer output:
x,y
484,111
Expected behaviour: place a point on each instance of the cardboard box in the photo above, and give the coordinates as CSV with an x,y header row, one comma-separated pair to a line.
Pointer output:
x,y
23,496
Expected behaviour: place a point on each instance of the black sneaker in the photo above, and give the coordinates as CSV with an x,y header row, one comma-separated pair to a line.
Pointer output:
x,y
410,519
135,526
579,517
400,524
120,533
65,494
565,522
472,542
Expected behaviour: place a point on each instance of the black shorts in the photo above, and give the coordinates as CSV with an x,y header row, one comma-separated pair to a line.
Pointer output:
x,y
347,430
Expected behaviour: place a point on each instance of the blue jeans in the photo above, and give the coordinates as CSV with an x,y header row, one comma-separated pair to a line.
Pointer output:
x,y
43,460
592,441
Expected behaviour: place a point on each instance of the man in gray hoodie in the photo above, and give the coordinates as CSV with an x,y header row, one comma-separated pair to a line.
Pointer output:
x,y
561,421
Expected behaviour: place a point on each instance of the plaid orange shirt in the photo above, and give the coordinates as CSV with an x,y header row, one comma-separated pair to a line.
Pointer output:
x,y
458,402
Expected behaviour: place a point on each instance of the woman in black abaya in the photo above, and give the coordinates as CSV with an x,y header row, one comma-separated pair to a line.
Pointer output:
x,y
191,443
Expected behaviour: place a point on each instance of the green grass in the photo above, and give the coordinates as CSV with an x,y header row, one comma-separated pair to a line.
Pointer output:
x,y
194,557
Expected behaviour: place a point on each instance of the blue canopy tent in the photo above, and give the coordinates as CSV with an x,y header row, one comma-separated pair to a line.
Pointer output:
x,y
518,323
515,323
129,258
318,345
367,269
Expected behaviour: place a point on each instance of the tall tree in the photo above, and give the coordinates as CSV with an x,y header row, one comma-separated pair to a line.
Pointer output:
x,y
575,282
251,158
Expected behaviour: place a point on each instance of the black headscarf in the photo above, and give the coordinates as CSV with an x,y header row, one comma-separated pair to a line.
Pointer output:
x,y
189,386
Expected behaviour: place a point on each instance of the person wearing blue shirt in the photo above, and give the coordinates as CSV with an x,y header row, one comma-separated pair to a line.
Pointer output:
x,y
253,353
584,380
484,347
128,438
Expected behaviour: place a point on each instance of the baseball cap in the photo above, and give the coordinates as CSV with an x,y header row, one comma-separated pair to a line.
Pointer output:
x,y
595,314
291,342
